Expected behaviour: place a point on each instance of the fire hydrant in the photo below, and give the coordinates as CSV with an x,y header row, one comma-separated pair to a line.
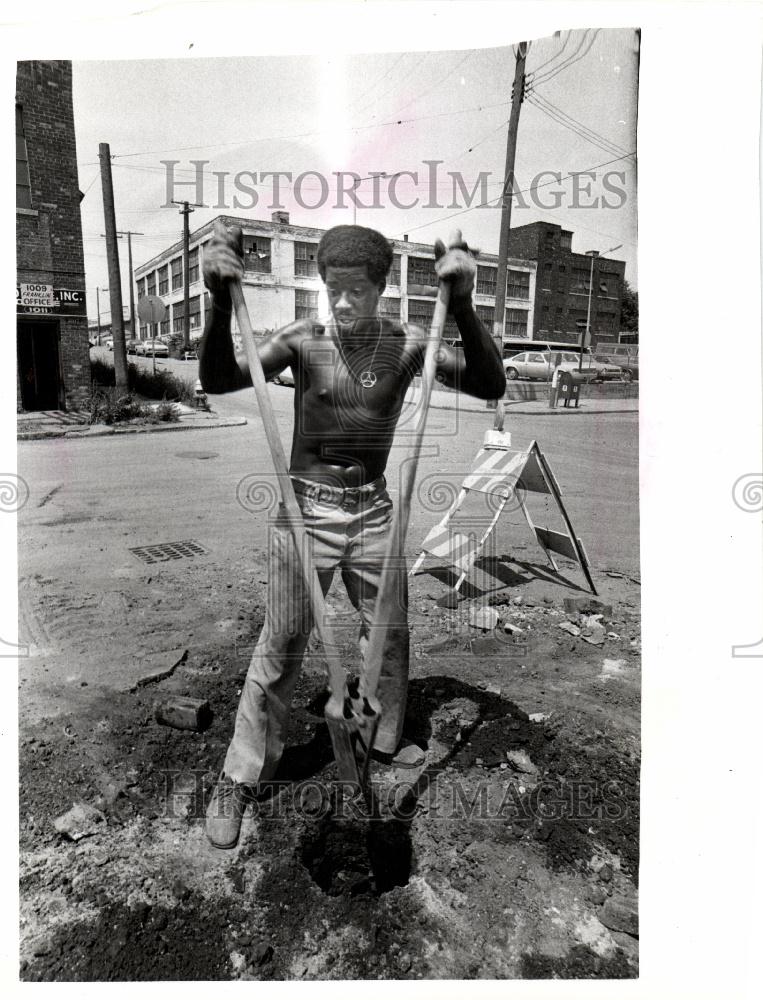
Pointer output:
x,y
199,396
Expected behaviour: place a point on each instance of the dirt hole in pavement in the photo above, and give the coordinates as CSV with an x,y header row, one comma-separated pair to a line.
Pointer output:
x,y
197,454
358,858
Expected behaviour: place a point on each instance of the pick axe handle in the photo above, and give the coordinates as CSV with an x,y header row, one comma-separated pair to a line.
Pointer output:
x,y
388,586
337,679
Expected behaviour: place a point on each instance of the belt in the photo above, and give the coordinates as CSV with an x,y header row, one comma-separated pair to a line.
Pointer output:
x,y
349,496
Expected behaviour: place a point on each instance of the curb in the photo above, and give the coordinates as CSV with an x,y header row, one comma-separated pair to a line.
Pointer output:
x,y
97,431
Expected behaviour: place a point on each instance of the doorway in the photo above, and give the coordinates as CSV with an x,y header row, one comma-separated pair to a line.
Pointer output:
x,y
39,365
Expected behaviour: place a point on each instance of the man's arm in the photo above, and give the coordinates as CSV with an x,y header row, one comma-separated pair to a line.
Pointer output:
x,y
221,369
478,370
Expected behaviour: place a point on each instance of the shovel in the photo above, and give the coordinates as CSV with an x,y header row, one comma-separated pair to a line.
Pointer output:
x,y
351,719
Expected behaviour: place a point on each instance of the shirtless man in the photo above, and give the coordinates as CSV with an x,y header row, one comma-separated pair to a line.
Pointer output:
x,y
351,375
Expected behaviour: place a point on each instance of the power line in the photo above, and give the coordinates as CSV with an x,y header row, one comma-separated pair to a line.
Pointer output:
x,y
374,85
585,128
533,187
556,70
395,85
556,55
602,144
304,135
434,86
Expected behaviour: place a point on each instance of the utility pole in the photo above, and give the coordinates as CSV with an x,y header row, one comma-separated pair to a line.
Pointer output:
x,y
185,211
129,236
115,284
517,96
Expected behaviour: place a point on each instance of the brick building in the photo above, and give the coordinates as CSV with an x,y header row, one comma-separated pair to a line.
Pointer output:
x,y
51,327
561,290
282,284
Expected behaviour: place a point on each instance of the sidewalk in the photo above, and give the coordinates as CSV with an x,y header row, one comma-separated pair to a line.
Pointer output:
x,y
57,424
443,400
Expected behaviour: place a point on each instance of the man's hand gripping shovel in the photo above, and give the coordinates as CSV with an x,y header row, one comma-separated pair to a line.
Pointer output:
x,y
351,718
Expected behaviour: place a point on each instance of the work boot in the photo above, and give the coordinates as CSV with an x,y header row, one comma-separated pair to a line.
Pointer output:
x,y
225,812
407,756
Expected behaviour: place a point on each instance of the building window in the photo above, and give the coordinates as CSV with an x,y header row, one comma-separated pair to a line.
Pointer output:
x,y
305,260
151,283
23,185
141,287
608,286
194,312
164,281
546,278
581,280
193,265
393,278
518,284
516,322
606,322
164,328
177,321
421,272
207,303
144,331
305,304
389,306
257,254
486,280
177,273
422,314
565,241
486,314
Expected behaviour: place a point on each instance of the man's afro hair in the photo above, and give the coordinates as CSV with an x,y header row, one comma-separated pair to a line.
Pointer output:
x,y
354,246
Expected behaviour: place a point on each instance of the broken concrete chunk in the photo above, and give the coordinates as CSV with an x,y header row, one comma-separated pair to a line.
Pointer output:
x,y
586,605
81,821
520,761
183,713
486,646
595,636
484,618
569,627
511,629
620,913
159,666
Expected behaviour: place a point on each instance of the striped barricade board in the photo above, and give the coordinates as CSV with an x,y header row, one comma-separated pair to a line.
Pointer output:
x,y
507,474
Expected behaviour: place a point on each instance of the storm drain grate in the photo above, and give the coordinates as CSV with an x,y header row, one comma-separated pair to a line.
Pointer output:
x,y
169,550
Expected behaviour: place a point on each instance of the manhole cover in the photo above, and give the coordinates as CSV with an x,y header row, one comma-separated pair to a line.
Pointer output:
x,y
197,454
169,550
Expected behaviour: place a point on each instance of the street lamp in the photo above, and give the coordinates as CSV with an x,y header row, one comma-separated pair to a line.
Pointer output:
x,y
585,337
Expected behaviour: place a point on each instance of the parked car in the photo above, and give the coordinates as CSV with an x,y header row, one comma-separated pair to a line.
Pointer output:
x,y
156,349
131,346
286,377
542,364
624,355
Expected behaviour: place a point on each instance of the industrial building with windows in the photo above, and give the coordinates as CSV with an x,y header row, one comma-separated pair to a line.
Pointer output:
x,y
561,295
281,282
53,361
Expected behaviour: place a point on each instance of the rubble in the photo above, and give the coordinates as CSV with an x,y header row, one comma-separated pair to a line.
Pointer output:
x,y
620,913
569,627
484,618
586,605
82,820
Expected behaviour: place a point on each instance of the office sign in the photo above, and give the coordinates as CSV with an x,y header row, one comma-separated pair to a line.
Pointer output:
x,y
38,298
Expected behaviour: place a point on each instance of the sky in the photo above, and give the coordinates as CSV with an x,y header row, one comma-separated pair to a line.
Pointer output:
x,y
384,112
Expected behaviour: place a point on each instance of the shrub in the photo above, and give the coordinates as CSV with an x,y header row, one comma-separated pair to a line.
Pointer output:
x,y
162,385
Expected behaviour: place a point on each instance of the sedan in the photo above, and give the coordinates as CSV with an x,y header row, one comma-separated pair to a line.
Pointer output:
x,y
542,364
156,349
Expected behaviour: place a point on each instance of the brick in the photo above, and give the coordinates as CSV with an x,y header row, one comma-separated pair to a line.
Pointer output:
x,y
180,712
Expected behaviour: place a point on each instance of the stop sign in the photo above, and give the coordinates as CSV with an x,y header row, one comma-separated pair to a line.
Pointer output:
x,y
151,309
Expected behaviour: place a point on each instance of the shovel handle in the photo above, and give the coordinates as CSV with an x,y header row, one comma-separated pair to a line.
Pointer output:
x,y
337,677
391,568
